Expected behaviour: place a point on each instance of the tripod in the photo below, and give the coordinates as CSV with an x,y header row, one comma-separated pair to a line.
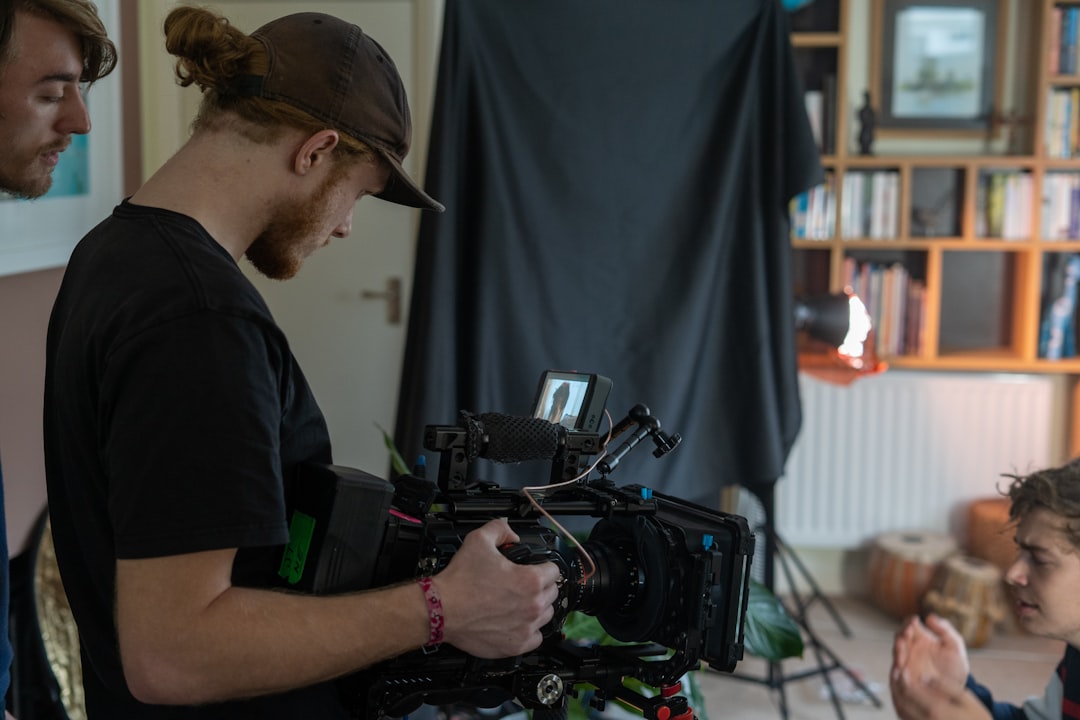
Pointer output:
x,y
827,660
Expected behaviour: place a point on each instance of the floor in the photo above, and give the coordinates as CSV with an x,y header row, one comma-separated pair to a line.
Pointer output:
x,y
1012,664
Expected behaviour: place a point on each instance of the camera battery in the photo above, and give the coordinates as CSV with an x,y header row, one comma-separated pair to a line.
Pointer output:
x,y
337,519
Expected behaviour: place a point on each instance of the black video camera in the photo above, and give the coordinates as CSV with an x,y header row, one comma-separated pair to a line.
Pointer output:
x,y
666,578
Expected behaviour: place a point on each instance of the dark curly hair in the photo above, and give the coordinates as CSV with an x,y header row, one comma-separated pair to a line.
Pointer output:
x,y
1054,489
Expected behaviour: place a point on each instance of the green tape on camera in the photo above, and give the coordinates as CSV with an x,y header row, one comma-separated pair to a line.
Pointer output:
x,y
301,530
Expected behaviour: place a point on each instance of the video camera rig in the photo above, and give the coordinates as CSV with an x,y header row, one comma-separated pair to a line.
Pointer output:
x,y
666,578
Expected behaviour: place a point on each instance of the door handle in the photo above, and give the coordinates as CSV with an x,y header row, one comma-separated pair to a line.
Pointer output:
x,y
392,296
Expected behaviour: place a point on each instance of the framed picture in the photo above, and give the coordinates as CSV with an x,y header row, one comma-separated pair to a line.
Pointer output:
x,y
936,64
87,182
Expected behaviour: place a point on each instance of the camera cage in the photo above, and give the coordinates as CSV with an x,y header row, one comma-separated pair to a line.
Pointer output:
x,y
670,578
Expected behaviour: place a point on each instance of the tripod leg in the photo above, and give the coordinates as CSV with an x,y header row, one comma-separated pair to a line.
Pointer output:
x,y
782,692
774,679
833,695
858,681
814,643
776,549
816,593
818,646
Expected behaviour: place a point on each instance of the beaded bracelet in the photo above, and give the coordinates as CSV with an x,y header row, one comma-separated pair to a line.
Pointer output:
x,y
435,614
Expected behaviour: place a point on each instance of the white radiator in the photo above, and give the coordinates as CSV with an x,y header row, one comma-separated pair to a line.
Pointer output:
x,y
908,450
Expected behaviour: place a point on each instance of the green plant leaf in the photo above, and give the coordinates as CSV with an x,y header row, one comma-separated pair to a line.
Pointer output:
x,y
398,462
579,626
770,632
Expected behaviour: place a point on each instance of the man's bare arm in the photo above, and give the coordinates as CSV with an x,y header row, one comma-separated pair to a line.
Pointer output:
x,y
187,636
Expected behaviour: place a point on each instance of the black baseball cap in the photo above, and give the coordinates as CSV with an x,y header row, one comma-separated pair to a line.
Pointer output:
x,y
332,70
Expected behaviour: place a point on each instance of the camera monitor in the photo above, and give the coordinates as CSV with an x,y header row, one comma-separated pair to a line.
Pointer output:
x,y
574,400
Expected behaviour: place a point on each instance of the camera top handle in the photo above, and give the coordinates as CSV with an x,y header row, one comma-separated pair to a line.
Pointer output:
x,y
506,439
510,438
648,425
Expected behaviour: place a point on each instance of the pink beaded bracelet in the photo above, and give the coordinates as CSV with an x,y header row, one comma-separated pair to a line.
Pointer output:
x,y
435,613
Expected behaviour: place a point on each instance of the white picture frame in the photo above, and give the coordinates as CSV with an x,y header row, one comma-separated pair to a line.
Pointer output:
x,y
40,234
937,64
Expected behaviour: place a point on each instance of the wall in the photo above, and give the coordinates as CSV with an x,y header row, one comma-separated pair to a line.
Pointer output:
x,y
910,450
907,451
25,303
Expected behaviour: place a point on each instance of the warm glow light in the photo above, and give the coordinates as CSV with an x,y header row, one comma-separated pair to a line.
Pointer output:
x,y
836,338
858,330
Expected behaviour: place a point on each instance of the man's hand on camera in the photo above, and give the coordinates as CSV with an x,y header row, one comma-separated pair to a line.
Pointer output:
x,y
493,607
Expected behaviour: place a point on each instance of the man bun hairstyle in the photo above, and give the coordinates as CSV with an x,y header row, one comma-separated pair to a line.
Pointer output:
x,y
211,53
214,55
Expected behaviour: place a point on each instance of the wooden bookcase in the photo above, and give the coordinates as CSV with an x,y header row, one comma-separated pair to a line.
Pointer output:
x,y
983,288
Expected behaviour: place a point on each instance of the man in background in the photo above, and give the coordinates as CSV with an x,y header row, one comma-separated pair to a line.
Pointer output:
x,y
177,418
930,677
50,51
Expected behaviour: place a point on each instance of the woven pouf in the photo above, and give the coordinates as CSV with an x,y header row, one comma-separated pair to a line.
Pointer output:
x,y
901,566
967,592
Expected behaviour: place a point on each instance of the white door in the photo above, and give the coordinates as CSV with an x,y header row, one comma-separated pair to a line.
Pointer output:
x,y
350,351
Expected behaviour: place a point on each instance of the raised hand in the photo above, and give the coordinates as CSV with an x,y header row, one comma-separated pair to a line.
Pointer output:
x,y
929,699
930,665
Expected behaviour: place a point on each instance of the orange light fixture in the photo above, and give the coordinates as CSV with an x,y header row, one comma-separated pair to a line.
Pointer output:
x,y
836,338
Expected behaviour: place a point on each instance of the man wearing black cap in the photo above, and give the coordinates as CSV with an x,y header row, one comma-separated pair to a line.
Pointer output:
x,y
176,414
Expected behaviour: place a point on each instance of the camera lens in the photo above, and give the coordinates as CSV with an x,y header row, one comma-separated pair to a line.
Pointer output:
x,y
626,591
614,579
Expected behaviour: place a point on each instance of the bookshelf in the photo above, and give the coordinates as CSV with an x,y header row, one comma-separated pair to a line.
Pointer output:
x,y
959,254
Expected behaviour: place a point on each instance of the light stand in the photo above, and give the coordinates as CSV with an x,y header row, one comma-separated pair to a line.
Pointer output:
x,y
840,326
776,550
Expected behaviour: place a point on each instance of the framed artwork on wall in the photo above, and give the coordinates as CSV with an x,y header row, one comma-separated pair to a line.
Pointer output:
x,y
87,182
935,65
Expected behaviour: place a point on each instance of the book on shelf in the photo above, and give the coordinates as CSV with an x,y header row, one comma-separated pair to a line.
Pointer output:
x,y
895,301
1004,203
995,204
815,108
981,228
813,212
828,126
1062,123
1017,218
869,204
1067,64
1055,123
1058,312
915,318
1072,129
1054,50
1060,206
851,225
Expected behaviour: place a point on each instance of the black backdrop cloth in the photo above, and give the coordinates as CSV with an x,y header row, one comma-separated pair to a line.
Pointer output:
x,y
616,175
